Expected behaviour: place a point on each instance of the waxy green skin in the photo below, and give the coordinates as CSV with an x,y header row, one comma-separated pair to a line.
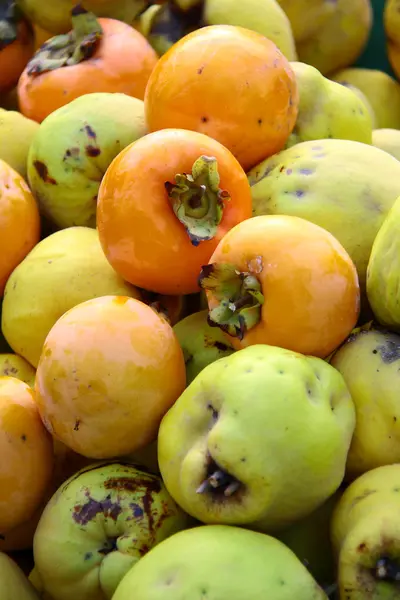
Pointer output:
x,y
72,150
220,563
97,525
279,424
201,344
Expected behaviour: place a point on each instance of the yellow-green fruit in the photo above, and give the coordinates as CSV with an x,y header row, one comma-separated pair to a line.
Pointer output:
x,y
307,16
310,540
382,91
13,583
72,150
344,186
16,134
392,28
259,438
219,563
365,100
366,536
340,39
63,270
383,274
369,362
12,365
264,16
327,110
387,140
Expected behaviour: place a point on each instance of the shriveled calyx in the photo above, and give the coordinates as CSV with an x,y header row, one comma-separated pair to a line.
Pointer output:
x,y
239,295
10,16
218,482
70,48
387,570
197,200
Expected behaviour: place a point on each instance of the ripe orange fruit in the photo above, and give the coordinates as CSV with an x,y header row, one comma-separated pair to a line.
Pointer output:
x,y
19,222
110,369
230,83
113,57
164,204
26,451
283,281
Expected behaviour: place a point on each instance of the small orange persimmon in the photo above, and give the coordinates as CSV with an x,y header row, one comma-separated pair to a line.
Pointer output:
x,y
110,369
19,222
16,45
26,451
164,204
99,55
282,281
230,83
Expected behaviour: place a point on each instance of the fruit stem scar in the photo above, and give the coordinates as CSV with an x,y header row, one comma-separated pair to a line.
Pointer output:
x,y
239,296
220,481
387,570
197,200
9,17
70,48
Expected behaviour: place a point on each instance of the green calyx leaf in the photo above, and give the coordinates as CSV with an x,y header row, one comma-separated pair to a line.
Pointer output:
x,y
239,295
197,200
70,48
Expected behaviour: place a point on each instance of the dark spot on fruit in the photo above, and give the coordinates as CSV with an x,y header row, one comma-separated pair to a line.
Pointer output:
x,y
92,151
289,171
281,169
43,172
362,496
242,460
91,133
204,119
137,510
396,489
213,412
71,153
88,555
87,512
374,351
281,372
49,262
77,425
306,171
23,438
221,346
10,371
282,582
395,419
132,483
299,193
389,351
260,121
109,546
200,70
362,547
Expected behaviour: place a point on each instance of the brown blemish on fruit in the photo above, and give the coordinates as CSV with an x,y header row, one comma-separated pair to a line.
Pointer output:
x,y
389,351
43,172
92,151
10,371
87,512
362,547
77,424
362,496
23,437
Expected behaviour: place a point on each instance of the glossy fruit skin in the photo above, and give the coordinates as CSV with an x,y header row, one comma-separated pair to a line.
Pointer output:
x,y
230,83
122,63
310,284
14,57
110,368
26,454
139,232
19,221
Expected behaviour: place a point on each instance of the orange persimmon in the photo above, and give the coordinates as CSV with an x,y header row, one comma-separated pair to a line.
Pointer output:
x,y
114,367
26,451
230,83
283,281
16,45
164,204
19,221
99,55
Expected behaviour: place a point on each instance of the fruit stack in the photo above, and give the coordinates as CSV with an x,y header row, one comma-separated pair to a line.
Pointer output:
x,y
200,301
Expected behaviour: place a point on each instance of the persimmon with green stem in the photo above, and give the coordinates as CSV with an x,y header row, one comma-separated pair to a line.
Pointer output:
x,y
165,203
283,281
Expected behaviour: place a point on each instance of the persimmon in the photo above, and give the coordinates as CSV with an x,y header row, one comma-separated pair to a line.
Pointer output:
x,y
110,369
164,204
98,55
230,83
282,281
26,451
16,44
19,223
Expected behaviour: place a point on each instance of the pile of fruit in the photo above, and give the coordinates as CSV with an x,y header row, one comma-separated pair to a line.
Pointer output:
x,y
200,301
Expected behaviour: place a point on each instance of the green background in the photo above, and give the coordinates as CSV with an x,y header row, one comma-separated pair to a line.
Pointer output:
x,y
374,55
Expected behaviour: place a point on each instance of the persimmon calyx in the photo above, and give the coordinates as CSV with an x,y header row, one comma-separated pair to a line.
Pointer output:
x,y
239,295
197,200
70,48
9,17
